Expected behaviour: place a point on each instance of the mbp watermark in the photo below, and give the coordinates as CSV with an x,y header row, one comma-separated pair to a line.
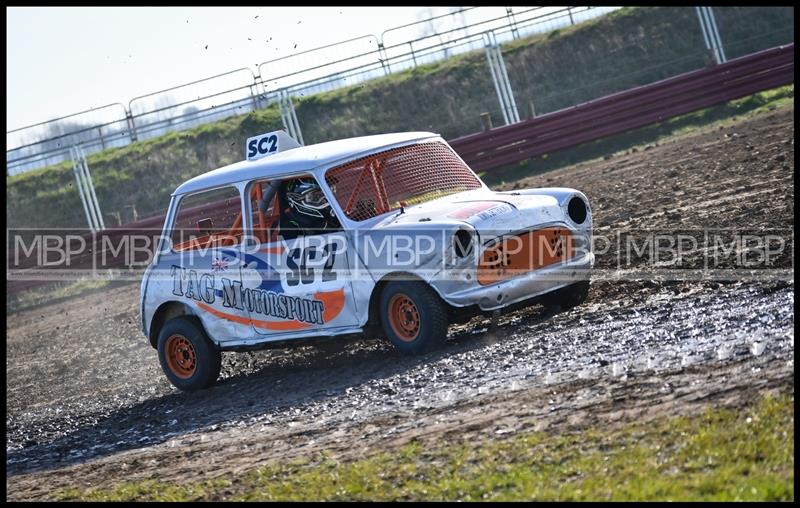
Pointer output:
x,y
453,252
721,254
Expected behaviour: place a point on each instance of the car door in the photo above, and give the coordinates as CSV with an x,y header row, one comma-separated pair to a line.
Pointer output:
x,y
299,284
205,243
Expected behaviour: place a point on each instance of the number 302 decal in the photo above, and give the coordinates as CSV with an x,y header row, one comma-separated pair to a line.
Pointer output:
x,y
306,274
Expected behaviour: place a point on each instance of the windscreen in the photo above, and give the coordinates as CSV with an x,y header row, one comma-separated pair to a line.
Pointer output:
x,y
403,176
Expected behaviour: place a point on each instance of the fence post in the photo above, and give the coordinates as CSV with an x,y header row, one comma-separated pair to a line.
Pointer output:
x,y
715,30
102,140
131,126
85,165
134,215
289,117
569,11
254,94
497,88
710,33
383,59
502,85
79,185
513,22
486,121
502,68
296,122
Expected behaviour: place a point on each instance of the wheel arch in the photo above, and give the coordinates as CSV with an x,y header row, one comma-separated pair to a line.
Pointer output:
x,y
164,313
373,315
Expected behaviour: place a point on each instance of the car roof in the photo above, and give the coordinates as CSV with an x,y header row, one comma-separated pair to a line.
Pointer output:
x,y
304,158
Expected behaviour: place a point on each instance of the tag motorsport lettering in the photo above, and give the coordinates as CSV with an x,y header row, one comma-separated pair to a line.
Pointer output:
x,y
186,283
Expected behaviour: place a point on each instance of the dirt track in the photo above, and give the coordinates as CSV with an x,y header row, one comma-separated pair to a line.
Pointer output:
x,y
88,404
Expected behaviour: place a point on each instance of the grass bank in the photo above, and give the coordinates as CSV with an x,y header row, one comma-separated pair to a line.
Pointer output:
x,y
720,455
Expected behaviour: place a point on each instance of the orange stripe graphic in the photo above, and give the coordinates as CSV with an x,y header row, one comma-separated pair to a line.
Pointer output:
x,y
333,302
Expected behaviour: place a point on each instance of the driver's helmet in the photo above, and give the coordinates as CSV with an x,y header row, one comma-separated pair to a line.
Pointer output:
x,y
306,198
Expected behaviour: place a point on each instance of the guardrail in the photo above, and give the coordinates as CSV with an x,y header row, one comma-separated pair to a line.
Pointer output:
x,y
568,127
631,109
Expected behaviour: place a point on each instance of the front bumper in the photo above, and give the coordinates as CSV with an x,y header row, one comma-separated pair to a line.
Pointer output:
x,y
535,283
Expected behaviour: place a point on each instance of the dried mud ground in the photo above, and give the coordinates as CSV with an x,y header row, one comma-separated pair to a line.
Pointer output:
x,y
87,404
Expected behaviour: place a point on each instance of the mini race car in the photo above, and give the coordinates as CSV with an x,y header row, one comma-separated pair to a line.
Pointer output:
x,y
390,235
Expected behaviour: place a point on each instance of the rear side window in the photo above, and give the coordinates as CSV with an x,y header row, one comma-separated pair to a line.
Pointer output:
x,y
402,176
208,219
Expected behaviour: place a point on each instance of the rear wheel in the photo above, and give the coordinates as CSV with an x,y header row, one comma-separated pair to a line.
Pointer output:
x,y
570,296
187,356
414,318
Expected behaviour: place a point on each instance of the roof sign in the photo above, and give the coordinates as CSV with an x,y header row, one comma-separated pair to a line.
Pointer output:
x,y
268,144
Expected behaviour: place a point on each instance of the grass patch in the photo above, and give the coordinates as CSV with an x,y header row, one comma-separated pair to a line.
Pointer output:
x,y
720,455
702,120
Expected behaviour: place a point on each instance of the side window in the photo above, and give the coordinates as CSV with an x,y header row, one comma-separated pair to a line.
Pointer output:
x,y
208,219
264,210
289,208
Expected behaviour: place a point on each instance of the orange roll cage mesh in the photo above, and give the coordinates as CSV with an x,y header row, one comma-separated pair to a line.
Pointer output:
x,y
413,174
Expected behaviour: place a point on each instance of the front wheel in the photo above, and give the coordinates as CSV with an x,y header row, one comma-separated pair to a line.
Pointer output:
x,y
187,356
414,318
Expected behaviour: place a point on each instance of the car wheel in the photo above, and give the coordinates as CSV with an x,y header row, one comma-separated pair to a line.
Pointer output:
x,y
570,296
414,318
187,356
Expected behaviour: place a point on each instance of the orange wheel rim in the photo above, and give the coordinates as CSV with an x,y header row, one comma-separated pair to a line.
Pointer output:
x,y
181,358
404,317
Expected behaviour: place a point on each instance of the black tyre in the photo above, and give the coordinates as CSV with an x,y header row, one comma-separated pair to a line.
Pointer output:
x,y
187,356
414,318
569,296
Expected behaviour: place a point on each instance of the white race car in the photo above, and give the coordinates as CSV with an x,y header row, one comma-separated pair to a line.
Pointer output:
x,y
390,234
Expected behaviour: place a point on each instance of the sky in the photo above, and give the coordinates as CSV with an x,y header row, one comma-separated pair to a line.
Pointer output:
x,y
61,60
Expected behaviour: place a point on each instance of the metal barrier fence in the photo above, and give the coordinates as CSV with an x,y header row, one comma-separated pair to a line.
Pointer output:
x,y
241,91
95,129
500,146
